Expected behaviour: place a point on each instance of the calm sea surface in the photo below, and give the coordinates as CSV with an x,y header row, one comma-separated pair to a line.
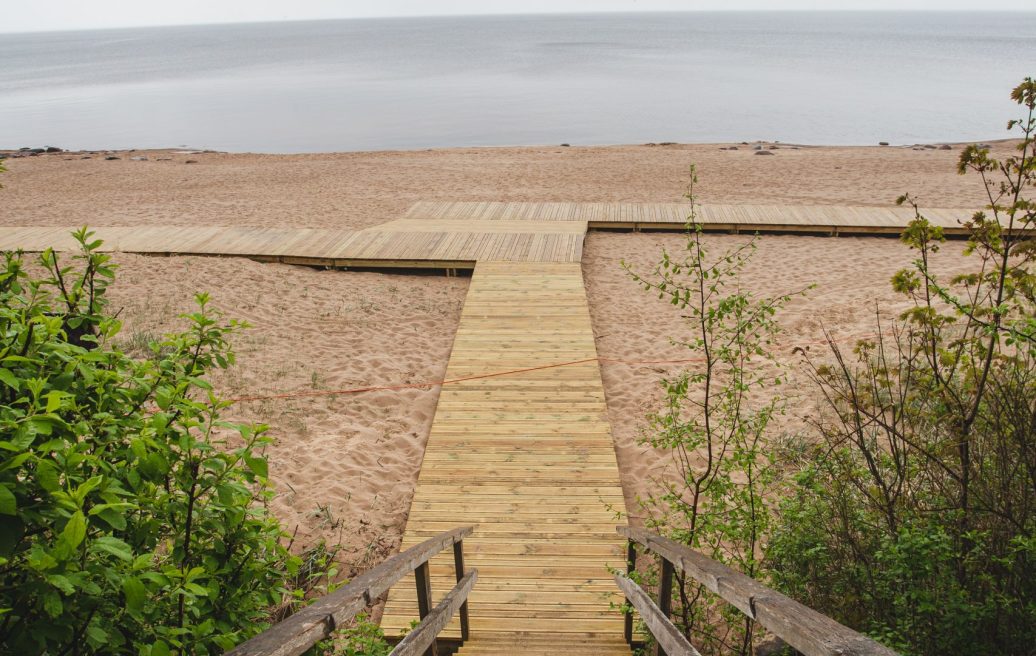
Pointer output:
x,y
822,78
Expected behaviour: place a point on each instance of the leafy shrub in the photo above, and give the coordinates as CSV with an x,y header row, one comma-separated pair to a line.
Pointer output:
x,y
915,517
132,517
716,429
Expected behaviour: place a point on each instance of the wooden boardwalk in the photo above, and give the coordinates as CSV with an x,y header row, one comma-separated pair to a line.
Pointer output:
x,y
403,243
527,459
457,235
829,219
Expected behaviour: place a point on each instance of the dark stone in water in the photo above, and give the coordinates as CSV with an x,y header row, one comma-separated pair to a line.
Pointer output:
x,y
566,145
883,143
764,152
191,161
111,157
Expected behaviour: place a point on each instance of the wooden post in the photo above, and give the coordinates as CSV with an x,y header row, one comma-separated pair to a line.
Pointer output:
x,y
458,564
631,566
665,595
424,599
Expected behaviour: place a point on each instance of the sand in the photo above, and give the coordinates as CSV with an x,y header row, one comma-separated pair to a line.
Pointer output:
x,y
845,285
345,466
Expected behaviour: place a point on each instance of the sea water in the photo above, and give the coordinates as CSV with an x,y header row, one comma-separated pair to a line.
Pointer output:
x,y
805,77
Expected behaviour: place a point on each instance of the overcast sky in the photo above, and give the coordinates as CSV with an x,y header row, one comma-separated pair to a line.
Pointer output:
x,y
40,15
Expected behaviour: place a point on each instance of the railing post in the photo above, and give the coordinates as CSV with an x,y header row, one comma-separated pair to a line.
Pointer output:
x,y
631,566
424,599
458,564
665,595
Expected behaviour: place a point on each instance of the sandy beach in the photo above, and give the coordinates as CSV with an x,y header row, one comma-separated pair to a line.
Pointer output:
x,y
345,466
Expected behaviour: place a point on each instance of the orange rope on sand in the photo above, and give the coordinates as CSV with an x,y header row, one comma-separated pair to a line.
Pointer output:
x,y
453,381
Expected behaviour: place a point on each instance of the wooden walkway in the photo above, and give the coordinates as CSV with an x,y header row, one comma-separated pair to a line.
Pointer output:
x,y
529,460
457,235
403,243
825,219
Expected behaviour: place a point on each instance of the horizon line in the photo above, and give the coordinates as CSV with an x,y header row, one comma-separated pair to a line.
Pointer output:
x,y
515,14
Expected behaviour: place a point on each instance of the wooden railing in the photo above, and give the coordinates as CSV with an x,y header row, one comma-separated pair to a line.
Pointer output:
x,y
317,621
804,629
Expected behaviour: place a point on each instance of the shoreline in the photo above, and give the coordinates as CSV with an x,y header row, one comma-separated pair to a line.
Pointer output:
x,y
35,151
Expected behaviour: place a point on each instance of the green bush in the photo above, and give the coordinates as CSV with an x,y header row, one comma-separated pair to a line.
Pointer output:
x,y
715,428
914,518
132,517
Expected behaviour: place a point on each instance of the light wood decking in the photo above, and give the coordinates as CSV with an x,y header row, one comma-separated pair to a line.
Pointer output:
x,y
830,219
527,459
396,244
456,235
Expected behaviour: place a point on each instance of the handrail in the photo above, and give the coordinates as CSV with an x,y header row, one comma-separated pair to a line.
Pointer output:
x,y
666,635
421,638
297,633
806,630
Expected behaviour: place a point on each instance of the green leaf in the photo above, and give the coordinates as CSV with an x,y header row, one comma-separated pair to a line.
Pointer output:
x,y
113,546
8,378
47,476
96,635
258,466
52,603
85,488
163,397
135,593
111,513
54,398
8,503
72,535
61,583
159,649
43,424
16,461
